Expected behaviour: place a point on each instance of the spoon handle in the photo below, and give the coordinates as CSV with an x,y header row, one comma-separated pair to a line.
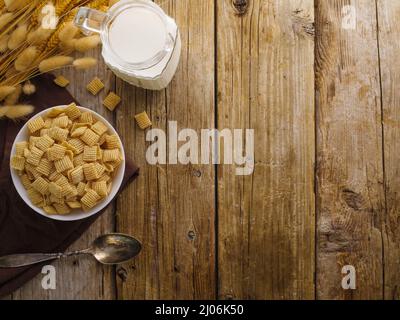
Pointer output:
x,y
21,260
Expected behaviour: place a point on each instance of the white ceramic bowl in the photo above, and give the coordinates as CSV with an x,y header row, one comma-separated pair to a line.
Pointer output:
x,y
23,135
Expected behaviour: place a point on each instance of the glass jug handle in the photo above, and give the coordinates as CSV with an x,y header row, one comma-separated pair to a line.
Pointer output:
x,y
89,20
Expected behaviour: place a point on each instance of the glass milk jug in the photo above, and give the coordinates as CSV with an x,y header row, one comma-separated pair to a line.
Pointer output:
x,y
141,44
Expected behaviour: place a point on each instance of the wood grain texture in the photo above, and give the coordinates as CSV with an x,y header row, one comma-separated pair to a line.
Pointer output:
x,y
351,201
389,48
170,208
81,278
266,244
265,78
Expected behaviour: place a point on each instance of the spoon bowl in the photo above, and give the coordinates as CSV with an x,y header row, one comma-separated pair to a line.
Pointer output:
x,y
115,248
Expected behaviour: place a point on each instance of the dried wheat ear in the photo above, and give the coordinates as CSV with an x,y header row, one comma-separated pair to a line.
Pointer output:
x,y
27,49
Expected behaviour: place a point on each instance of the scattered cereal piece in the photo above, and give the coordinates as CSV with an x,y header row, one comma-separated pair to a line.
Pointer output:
x,y
89,169
74,204
45,167
55,112
61,81
44,142
56,152
90,154
100,188
77,144
60,122
100,128
100,169
90,138
58,134
112,141
95,86
78,160
143,120
20,147
78,132
63,164
77,175
111,155
35,196
35,124
86,117
73,112
55,189
62,209
41,186
18,163
50,210
26,182
90,198
34,156
111,101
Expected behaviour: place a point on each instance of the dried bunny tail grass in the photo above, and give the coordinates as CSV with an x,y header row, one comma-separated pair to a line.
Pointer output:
x,y
13,5
16,112
87,43
18,37
3,111
5,91
54,63
13,98
26,58
28,88
39,35
68,32
84,63
67,46
4,43
5,19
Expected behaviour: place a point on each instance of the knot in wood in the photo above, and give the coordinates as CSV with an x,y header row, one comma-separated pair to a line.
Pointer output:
x,y
197,173
122,274
353,200
240,6
191,235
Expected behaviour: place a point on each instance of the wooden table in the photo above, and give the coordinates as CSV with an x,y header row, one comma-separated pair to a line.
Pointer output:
x,y
324,102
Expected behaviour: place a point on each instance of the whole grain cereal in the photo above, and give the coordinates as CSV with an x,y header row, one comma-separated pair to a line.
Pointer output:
x,y
63,166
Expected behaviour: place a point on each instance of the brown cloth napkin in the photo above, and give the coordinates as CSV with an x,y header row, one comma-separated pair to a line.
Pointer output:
x,y
21,229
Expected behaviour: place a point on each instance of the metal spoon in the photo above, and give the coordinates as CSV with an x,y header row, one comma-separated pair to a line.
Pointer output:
x,y
107,249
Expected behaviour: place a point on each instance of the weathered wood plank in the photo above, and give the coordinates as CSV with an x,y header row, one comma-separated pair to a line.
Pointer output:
x,y
389,47
266,82
350,197
82,278
170,208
